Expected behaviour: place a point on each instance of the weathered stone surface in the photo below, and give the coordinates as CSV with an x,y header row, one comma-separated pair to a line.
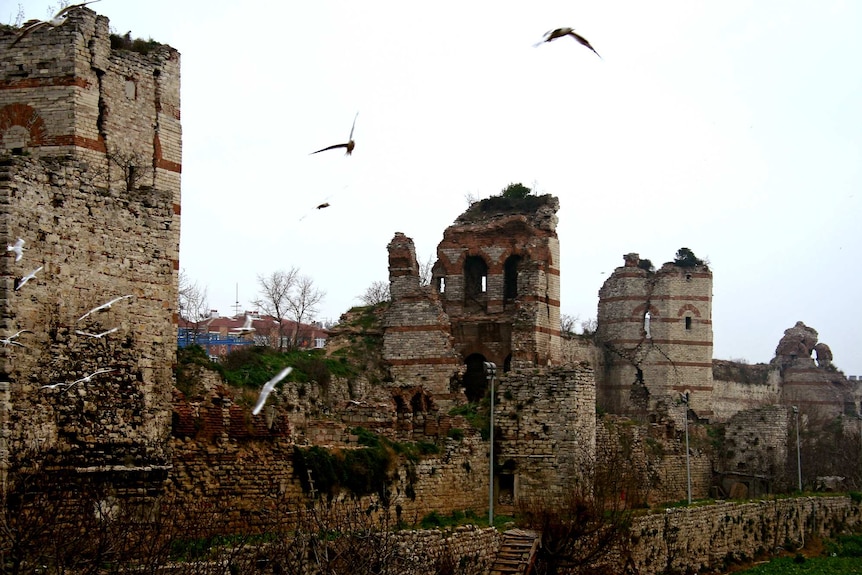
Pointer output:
x,y
90,141
645,373
798,342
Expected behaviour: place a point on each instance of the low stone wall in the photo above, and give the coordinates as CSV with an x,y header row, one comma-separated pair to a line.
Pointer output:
x,y
691,539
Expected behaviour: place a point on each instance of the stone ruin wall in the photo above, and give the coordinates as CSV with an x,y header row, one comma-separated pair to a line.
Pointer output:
x,y
645,372
545,429
418,346
75,118
222,453
700,539
523,328
656,453
740,387
756,450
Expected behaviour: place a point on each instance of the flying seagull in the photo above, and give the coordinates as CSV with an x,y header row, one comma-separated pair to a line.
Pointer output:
x,y
58,20
97,335
85,379
267,389
18,248
11,339
105,305
552,35
20,283
246,327
349,145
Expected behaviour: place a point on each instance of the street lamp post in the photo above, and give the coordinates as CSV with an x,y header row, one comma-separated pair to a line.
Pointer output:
x,y
859,415
798,452
684,399
490,373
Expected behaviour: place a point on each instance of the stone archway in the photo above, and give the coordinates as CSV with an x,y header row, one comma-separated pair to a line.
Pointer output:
x,y
475,381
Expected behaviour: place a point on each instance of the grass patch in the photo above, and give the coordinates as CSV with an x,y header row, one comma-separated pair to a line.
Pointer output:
x,y
812,566
252,366
477,414
363,471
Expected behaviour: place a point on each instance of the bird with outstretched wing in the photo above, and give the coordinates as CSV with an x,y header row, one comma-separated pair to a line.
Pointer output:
x,y
349,145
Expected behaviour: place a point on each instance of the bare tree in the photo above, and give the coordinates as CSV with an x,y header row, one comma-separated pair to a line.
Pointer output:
x,y
302,303
568,323
426,271
133,168
276,300
377,292
586,527
193,305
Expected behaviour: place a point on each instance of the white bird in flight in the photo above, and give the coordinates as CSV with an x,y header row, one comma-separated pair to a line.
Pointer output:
x,y
246,327
97,335
85,379
20,283
58,20
349,145
18,248
105,305
552,35
11,339
267,389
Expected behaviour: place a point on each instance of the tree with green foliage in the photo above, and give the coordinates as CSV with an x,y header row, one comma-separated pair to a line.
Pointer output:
x,y
685,258
516,191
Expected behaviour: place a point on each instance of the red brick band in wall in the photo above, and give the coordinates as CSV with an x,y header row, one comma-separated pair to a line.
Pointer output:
x,y
44,82
641,298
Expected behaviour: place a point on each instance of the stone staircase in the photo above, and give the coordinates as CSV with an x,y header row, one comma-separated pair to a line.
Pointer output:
x,y
517,552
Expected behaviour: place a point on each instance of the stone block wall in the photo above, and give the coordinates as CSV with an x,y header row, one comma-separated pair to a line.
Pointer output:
x,y
243,464
656,330
545,429
698,539
418,345
654,454
90,152
499,280
756,449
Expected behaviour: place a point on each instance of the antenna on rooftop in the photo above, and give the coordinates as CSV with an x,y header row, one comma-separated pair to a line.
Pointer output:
x,y
236,305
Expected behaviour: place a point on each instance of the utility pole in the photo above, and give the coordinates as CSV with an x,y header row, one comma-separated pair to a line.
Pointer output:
x,y
798,452
684,399
490,373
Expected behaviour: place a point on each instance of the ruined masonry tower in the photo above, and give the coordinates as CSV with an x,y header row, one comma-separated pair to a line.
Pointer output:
x,y
90,158
655,331
498,277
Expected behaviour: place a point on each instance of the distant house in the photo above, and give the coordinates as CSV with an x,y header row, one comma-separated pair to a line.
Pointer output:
x,y
221,335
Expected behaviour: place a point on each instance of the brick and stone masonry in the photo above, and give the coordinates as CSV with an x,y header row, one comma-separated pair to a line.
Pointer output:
x,y
90,161
498,276
656,330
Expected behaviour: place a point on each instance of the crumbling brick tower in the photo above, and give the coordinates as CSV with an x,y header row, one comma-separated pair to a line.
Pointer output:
x,y
655,329
498,276
90,153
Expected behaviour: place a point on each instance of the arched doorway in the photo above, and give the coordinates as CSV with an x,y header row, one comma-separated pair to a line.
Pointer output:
x,y
475,381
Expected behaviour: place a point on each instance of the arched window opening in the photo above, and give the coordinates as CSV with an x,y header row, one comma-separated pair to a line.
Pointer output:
x,y
510,277
688,322
475,275
475,281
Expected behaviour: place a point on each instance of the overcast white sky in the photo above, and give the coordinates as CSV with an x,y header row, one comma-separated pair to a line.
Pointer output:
x,y
733,128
